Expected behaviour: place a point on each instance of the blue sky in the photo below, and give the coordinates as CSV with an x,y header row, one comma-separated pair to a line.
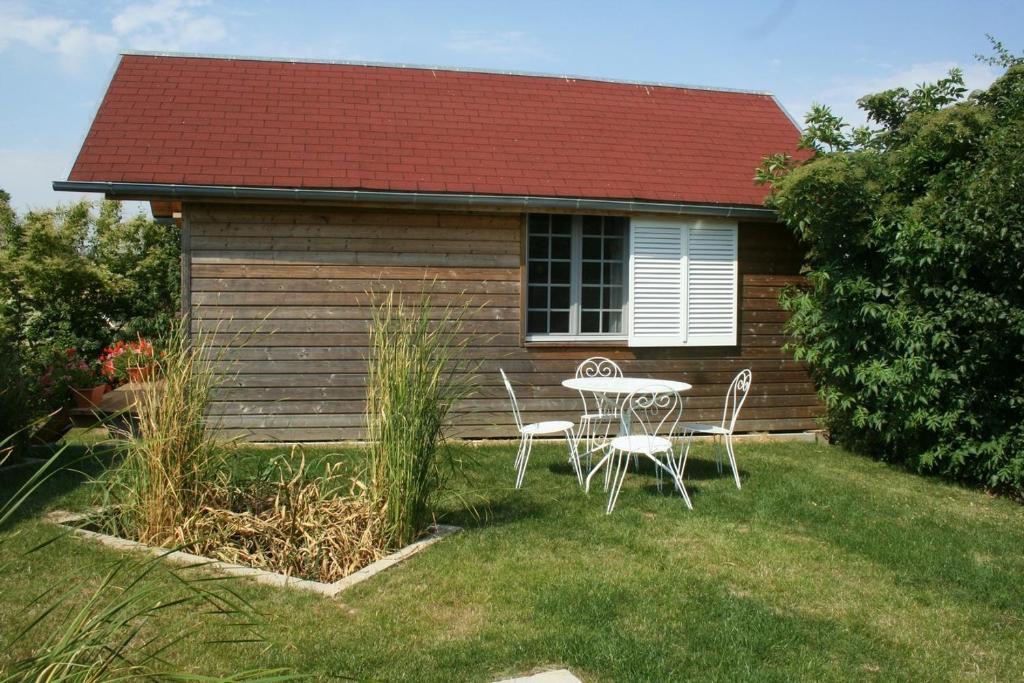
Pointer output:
x,y
56,56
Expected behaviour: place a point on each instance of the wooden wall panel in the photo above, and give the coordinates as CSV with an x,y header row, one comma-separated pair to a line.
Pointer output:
x,y
282,290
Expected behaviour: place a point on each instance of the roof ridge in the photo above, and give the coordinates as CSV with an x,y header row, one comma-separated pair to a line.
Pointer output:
x,y
462,69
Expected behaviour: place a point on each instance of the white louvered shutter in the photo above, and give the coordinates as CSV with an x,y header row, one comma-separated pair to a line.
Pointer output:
x,y
656,283
711,283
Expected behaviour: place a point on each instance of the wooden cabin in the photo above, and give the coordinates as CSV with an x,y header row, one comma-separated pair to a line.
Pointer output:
x,y
578,216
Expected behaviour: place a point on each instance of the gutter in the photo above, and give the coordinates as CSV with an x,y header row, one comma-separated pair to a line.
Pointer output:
x,y
522,202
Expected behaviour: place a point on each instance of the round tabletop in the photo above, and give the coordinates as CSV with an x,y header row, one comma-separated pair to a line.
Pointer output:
x,y
624,385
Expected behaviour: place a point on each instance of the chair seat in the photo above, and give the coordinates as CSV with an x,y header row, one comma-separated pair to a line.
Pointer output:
x,y
704,429
641,443
549,427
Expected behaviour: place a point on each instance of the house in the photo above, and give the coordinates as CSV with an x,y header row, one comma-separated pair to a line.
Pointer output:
x,y
584,217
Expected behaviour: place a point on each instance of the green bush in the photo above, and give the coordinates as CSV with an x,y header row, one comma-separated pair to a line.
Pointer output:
x,y
77,277
913,321
14,396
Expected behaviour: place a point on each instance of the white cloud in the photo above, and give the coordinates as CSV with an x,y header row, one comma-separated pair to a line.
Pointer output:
x,y
170,25
504,43
69,40
843,96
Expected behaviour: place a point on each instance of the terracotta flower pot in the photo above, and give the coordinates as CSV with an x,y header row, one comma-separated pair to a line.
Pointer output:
x,y
140,374
89,398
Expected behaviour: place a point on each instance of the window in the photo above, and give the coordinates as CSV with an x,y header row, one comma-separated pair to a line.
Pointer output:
x,y
653,281
576,276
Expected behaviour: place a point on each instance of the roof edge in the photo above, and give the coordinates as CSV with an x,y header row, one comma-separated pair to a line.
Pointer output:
x,y
437,67
525,202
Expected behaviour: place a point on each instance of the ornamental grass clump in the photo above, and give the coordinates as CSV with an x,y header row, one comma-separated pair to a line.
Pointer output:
x,y
417,372
169,457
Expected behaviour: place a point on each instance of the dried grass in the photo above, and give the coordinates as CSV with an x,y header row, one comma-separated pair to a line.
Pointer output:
x,y
299,525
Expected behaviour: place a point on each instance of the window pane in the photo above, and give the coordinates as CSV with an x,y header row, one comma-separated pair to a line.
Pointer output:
x,y
561,247
592,225
591,247
613,249
591,273
537,322
560,297
538,272
615,225
561,272
538,221
612,297
561,224
590,322
538,247
612,322
591,297
538,297
613,273
559,322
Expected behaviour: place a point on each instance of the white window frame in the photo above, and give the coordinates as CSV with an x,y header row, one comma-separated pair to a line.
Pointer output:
x,y
576,289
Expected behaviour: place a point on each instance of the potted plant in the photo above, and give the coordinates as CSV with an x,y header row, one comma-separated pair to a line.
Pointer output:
x,y
129,361
84,378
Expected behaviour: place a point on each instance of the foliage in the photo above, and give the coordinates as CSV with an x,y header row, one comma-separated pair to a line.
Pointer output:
x,y
417,372
913,323
15,399
169,456
79,276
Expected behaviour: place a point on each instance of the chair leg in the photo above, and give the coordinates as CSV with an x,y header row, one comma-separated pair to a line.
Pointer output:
x,y
519,453
678,467
718,452
732,460
574,454
621,467
522,464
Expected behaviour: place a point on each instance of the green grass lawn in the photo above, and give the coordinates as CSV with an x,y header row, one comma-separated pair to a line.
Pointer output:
x,y
826,566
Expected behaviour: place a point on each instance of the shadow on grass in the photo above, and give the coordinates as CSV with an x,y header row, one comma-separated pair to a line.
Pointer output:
x,y
494,513
75,465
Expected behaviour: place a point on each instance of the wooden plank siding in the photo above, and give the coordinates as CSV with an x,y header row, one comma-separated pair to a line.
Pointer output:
x,y
283,291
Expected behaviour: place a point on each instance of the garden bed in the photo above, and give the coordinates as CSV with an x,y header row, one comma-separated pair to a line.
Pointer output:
x,y
71,521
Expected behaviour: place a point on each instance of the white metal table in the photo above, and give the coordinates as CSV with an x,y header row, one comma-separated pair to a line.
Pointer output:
x,y
617,388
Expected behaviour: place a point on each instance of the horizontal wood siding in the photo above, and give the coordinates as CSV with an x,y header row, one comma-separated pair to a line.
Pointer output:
x,y
283,292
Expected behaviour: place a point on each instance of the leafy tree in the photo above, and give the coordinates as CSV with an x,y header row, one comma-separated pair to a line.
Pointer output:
x,y
78,276
913,320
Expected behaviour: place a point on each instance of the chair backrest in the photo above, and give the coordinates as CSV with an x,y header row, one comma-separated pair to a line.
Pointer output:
x,y
512,397
734,399
654,409
598,366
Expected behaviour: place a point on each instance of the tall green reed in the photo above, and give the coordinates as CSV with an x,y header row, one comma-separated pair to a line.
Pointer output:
x,y
418,371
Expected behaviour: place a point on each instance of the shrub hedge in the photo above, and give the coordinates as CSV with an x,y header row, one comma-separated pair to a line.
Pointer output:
x,y
913,321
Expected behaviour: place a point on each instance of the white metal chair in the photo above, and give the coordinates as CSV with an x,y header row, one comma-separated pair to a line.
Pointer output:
x,y
655,411
528,431
600,411
734,399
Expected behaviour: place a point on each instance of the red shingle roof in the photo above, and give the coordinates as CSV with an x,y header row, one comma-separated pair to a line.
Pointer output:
x,y
245,122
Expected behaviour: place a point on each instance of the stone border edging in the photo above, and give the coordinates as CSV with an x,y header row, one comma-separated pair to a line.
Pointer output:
x,y
64,519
